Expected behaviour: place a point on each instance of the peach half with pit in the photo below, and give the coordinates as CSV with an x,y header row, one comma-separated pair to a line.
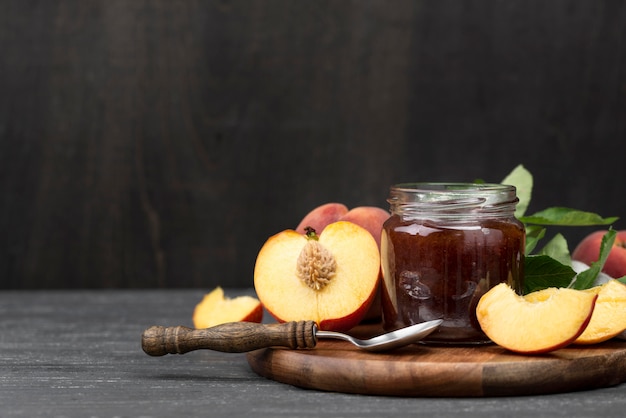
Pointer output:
x,y
215,309
371,218
536,323
330,278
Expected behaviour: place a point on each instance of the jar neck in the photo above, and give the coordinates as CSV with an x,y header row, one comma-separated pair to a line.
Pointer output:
x,y
452,201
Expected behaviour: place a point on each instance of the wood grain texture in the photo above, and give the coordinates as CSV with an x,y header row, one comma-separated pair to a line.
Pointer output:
x,y
160,143
77,353
232,337
429,371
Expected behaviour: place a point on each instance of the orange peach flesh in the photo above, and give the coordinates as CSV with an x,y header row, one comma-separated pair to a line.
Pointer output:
x,y
609,315
531,326
215,309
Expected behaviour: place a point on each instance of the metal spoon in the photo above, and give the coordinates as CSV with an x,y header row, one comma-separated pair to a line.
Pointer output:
x,y
238,337
390,340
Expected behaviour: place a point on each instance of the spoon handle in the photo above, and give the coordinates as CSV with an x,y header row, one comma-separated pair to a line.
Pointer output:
x,y
232,337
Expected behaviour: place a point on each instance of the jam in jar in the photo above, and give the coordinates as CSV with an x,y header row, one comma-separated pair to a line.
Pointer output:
x,y
443,247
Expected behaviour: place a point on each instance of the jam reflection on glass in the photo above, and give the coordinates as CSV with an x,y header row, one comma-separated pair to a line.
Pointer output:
x,y
437,271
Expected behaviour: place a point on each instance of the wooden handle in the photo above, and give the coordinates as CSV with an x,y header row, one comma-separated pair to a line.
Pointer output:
x,y
232,337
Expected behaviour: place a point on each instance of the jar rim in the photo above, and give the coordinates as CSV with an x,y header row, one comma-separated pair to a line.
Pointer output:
x,y
457,187
452,199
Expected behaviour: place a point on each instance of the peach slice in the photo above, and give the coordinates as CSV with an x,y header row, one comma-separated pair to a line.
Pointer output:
x,y
215,309
330,279
539,323
609,315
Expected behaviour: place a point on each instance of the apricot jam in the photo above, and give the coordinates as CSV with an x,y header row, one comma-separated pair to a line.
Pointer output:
x,y
443,247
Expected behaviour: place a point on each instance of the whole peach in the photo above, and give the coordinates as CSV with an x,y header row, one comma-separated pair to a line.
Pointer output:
x,y
321,216
588,251
371,218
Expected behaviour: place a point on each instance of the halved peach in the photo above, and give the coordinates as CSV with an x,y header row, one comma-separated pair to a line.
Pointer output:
x,y
330,278
537,323
609,315
371,218
215,309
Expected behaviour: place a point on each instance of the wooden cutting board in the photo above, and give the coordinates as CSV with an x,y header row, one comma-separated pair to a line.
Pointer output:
x,y
440,371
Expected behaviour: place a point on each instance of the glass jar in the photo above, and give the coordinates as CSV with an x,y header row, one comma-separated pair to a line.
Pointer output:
x,y
443,247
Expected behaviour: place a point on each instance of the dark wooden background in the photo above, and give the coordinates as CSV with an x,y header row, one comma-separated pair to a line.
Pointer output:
x,y
159,143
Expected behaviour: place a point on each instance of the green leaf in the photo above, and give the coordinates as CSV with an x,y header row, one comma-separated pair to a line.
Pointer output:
x,y
557,248
586,279
523,182
552,266
566,217
534,233
622,280
542,271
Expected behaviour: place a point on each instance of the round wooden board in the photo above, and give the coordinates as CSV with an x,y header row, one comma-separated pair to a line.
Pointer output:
x,y
436,371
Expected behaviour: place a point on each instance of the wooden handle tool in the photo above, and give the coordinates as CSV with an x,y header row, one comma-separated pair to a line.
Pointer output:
x,y
232,337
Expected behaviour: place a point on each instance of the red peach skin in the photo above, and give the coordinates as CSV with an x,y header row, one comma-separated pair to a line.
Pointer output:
x,y
321,216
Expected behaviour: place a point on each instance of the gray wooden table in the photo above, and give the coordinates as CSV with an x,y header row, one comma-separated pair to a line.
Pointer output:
x,y
78,354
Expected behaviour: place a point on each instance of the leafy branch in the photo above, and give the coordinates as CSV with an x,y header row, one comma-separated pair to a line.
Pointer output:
x,y
551,266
